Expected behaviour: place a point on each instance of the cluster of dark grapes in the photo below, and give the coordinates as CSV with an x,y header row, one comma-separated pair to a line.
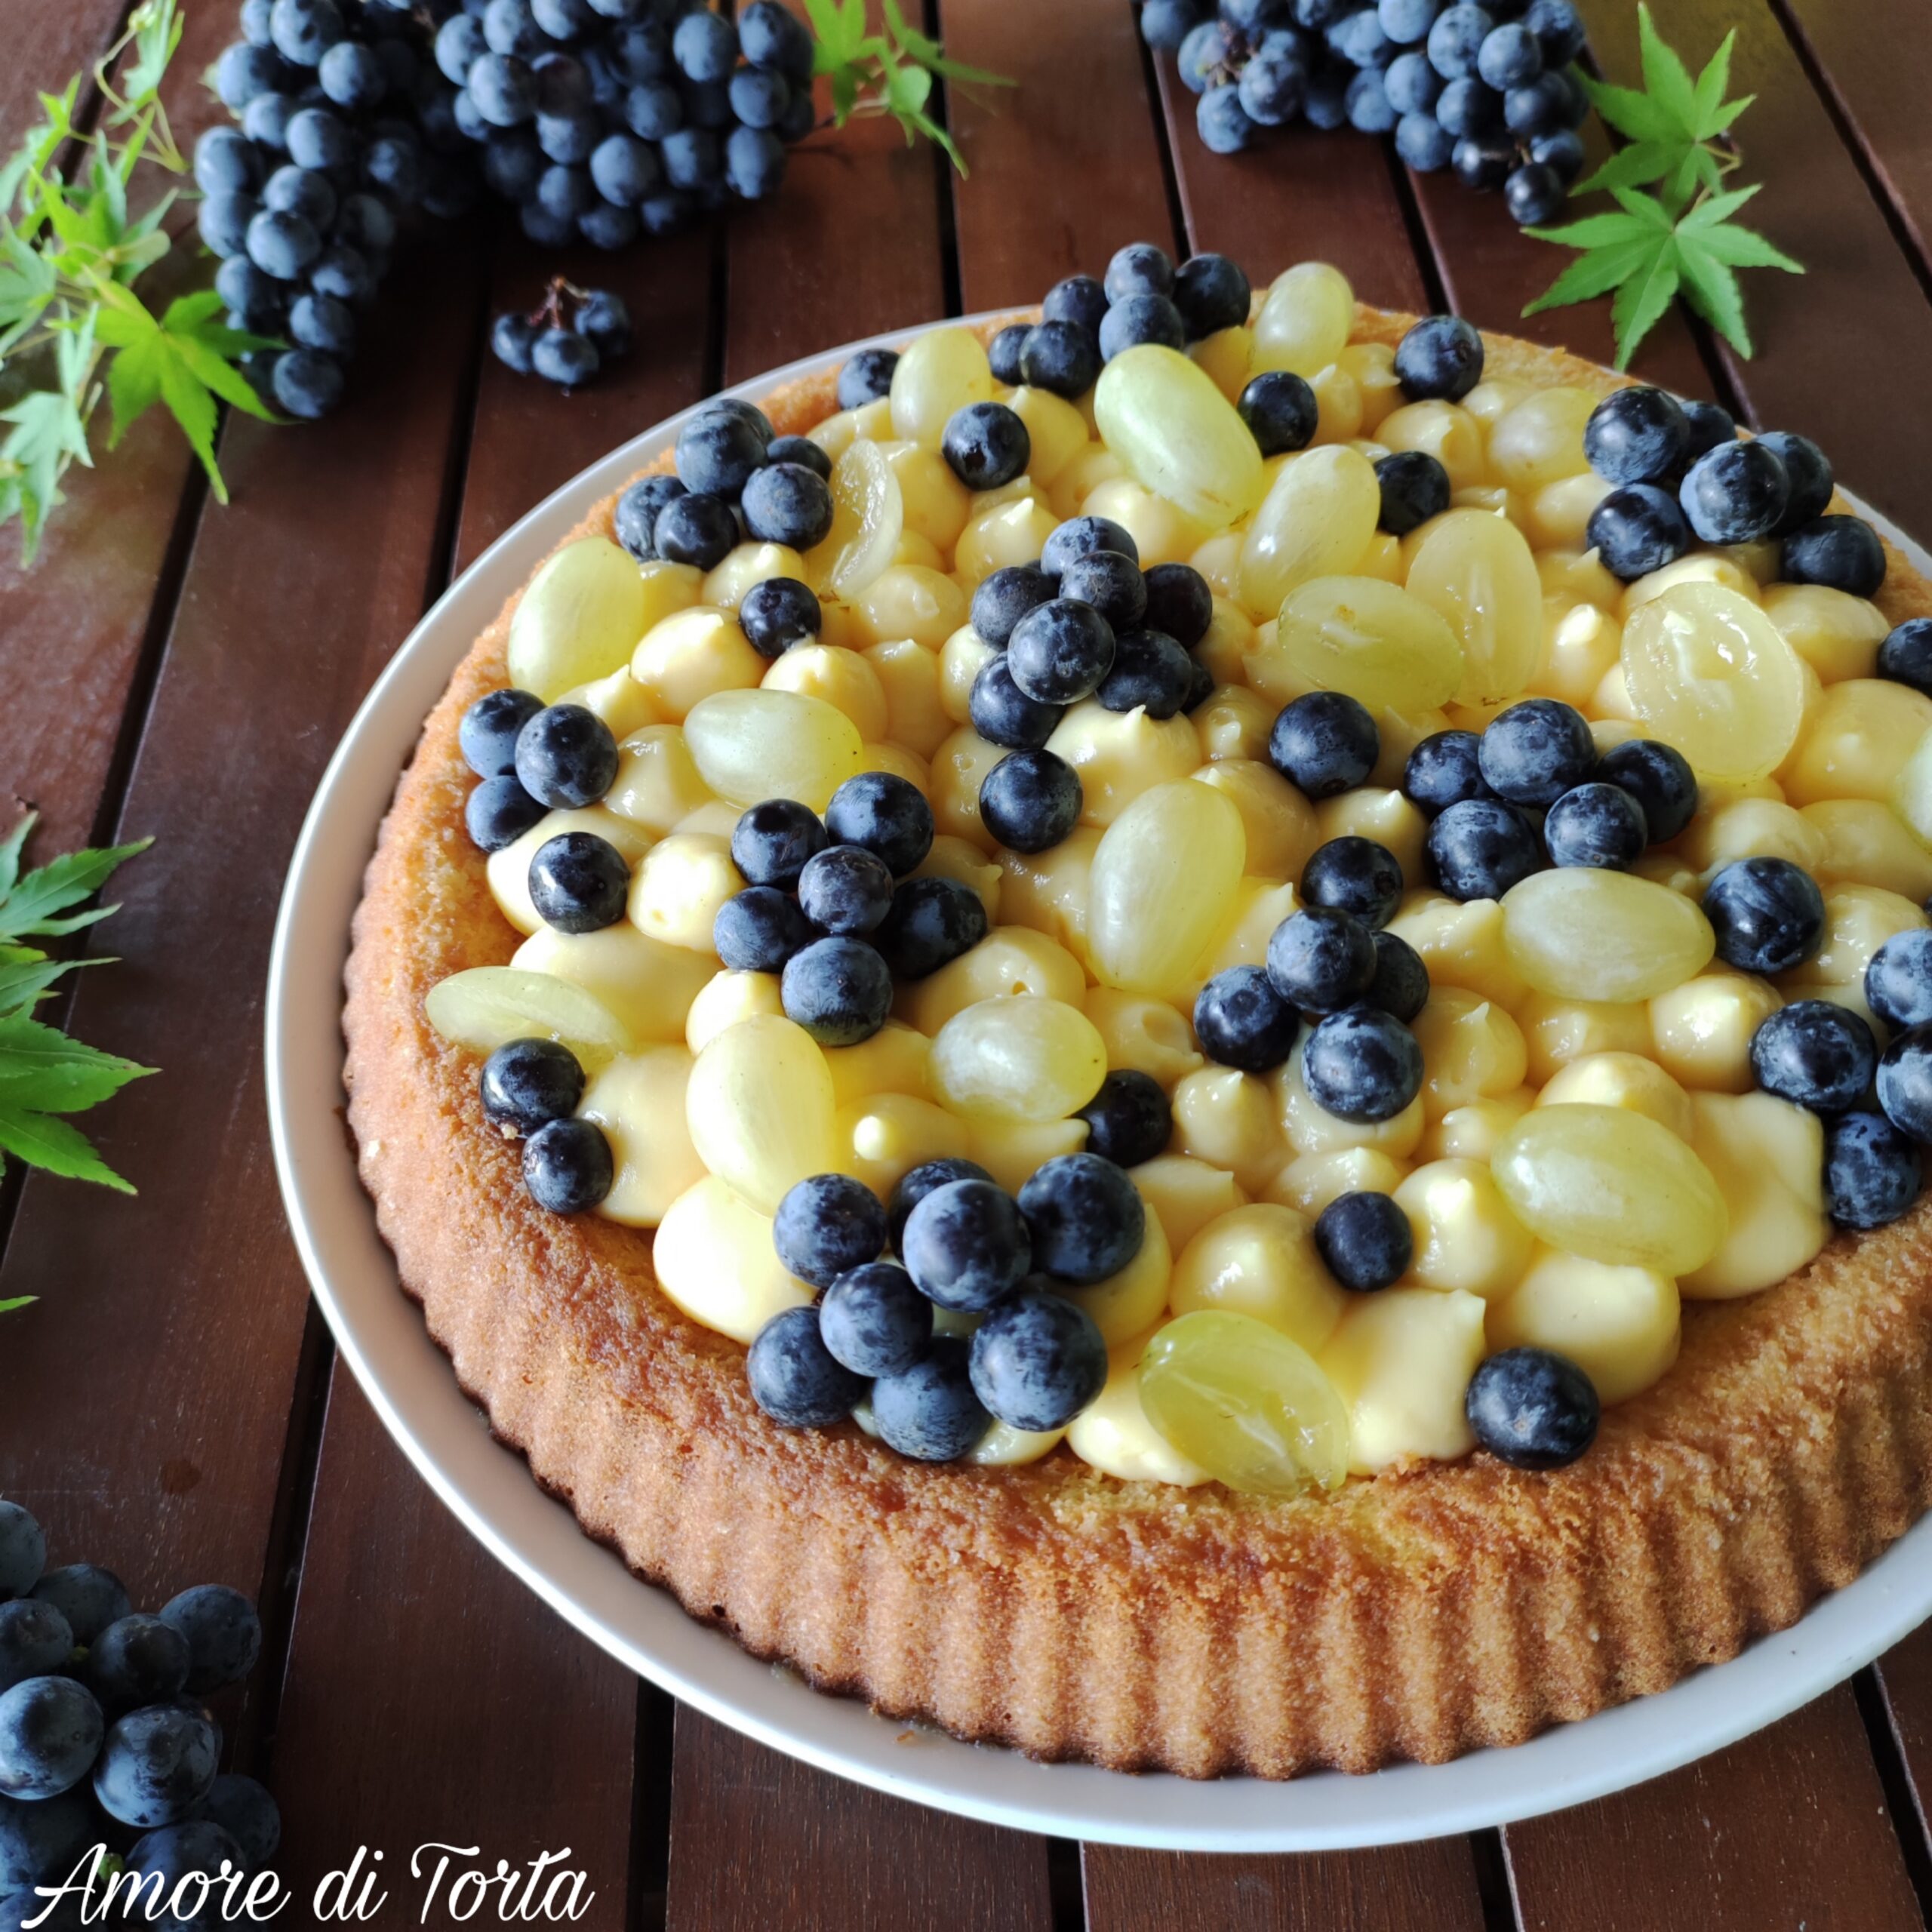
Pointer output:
x,y
1085,323
344,124
568,338
105,1741
604,119
964,1246
1484,90
607,118
737,478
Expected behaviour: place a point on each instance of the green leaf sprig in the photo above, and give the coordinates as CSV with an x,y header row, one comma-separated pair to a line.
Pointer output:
x,y
1680,239
71,251
44,1075
889,73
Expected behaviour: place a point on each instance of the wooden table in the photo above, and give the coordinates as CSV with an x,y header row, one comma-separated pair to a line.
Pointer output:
x,y
174,1406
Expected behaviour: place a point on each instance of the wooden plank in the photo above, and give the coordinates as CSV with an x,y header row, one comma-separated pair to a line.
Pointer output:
x,y
1428,1887
78,619
46,45
1066,169
1789,1828
1746,1818
1299,194
759,1840
1868,64
1844,352
572,1710
431,1699
528,437
148,1396
851,248
1871,60
1905,1682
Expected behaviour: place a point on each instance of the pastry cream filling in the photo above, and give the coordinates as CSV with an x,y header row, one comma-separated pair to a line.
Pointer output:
x,y
1588,1148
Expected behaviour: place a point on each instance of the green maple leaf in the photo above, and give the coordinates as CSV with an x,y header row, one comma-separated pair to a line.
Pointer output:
x,y
1710,246
10,849
28,282
155,26
44,1073
1643,256
1670,125
35,154
185,359
71,246
32,907
1632,250
22,982
49,430
838,32
44,1140
904,92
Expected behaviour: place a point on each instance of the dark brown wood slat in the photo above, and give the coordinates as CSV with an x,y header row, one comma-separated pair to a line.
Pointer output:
x,y
148,1397
1787,1828
567,1704
530,436
75,622
1491,270
46,45
1872,61
1905,1682
850,248
76,619
1064,170
1406,1888
430,1698
759,1840
1298,195
1844,352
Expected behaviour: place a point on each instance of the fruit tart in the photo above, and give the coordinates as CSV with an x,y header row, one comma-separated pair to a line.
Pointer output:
x,y
1193,1032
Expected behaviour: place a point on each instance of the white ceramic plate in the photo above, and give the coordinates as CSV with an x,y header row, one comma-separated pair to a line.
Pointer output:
x,y
382,1336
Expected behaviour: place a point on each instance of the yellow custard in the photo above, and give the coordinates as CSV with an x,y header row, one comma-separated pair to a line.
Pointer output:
x,y
1588,1148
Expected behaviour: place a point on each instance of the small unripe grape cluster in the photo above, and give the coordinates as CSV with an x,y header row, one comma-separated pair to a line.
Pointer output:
x,y
1485,90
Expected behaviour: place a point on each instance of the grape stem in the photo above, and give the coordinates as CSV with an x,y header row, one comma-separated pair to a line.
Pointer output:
x,y
551,312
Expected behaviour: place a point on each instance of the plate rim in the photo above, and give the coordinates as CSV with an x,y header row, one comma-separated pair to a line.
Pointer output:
x,y
489,1486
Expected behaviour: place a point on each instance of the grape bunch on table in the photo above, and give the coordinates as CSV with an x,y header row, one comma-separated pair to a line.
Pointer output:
x,y
1484,90
597,120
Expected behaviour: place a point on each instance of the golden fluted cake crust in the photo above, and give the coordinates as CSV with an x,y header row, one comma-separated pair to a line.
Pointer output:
x,y
1424,1612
